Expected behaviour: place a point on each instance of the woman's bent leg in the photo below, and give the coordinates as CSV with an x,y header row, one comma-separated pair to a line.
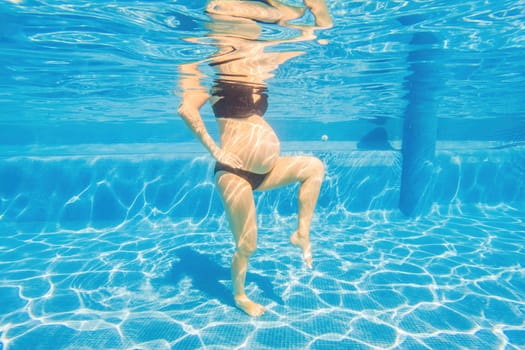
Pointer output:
x,y
310,172
237,197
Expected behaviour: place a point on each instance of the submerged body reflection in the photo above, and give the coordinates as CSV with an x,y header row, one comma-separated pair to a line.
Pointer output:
x,y
249,157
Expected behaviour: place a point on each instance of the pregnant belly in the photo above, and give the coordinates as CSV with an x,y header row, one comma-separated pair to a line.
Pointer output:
x,y
252,140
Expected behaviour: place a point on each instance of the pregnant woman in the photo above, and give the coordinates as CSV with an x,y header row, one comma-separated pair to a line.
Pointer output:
x,y
248,158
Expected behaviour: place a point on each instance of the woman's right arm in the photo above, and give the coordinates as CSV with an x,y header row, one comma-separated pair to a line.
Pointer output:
x,y
194,95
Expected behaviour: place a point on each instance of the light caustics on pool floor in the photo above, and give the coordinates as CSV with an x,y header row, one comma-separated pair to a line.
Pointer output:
x,y
451,280
124,252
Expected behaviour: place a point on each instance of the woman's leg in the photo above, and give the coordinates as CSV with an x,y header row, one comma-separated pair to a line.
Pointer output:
x,y
237,197
310,172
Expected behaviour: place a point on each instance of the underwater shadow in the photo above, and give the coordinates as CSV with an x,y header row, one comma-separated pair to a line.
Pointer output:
x,y
377,139
206,275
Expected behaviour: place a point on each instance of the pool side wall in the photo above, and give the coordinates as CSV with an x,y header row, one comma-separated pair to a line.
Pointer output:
x,y
74,192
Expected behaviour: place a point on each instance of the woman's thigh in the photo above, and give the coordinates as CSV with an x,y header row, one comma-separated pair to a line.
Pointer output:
x,y
237,197
292,169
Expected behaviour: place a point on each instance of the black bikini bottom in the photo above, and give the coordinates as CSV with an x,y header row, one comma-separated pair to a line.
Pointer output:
x,y
253,179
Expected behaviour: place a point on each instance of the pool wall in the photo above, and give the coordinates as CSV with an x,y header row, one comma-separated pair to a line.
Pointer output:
x,y
68,190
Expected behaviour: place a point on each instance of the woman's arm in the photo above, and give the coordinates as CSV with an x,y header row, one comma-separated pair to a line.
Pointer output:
x,y
194,95
320,12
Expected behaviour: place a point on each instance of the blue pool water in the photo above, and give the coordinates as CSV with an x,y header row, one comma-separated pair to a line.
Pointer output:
x,y
112,235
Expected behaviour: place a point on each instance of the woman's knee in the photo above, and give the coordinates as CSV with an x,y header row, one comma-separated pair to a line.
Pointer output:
x,y
316,167
246,248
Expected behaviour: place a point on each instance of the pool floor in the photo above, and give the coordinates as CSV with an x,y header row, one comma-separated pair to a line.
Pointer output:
x,y
452,280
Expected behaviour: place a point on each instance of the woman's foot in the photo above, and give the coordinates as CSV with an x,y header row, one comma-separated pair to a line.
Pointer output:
x,y
248,306
303,243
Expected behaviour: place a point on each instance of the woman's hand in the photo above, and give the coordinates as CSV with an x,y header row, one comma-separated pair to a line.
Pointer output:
x,y
227,158
320,12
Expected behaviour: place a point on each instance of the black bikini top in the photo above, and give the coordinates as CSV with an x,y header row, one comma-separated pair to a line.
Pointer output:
x,y
233,99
